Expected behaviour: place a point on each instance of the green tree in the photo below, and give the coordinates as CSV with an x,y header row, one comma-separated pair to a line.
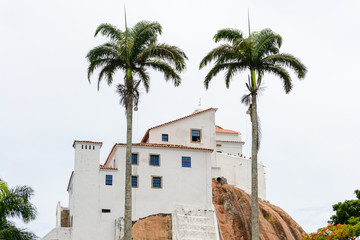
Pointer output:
x,y
15,202
258,53
345,210
133,51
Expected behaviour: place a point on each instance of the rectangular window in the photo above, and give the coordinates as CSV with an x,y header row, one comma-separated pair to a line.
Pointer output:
x,y
108,179
195,135
186,162
154,160
165,137
134,159
134,181
105,210
156,182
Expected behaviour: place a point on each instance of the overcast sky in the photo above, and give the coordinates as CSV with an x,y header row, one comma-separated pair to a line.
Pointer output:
x,y
310,143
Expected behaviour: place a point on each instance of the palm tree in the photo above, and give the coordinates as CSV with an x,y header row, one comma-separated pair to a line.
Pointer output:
x,y
15,202
133,51
259,53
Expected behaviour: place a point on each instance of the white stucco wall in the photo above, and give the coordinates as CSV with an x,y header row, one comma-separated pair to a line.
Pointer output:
x,y
59,234
85,205
111,197
228,137
180,131
181,186
237,171
233,148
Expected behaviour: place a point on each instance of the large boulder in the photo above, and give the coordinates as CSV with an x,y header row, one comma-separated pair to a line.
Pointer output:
x,y
233,208
234,214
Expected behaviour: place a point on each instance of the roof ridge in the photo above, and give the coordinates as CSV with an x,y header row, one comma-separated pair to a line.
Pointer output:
x,y
178,119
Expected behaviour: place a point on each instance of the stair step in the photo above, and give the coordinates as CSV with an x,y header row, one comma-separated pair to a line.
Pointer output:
x,y
197,235
202,228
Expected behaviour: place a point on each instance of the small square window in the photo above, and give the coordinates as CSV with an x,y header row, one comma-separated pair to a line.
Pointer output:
x,y
134,181
195,135
134,159
155,160
165,137
108,179
156,182
186,162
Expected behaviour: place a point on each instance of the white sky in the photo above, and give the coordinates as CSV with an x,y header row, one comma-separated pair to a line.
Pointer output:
x,y
310,137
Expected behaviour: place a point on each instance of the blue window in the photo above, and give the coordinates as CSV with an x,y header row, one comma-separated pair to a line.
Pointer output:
x,y
165,137
134,159
155,160
195,135
156,182
186,162
134,181
108,179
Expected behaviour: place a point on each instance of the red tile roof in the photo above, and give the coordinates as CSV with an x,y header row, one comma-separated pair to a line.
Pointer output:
x,y
219,129
146,136
105,167
79,141
155,145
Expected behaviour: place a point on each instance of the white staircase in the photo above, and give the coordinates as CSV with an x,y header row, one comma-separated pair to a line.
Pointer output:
x,y
194,224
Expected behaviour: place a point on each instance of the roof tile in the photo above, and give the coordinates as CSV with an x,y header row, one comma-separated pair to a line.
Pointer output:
x,y
219,129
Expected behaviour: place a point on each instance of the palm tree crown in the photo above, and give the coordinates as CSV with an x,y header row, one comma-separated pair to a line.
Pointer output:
x,y
15,202
133,51
259,52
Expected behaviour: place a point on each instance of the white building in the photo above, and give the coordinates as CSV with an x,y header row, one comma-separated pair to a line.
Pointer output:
x,y
171,173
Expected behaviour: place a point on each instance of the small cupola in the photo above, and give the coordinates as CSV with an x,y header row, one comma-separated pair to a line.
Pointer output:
x,y
199,107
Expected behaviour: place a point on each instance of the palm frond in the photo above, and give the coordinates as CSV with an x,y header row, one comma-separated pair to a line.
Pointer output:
x,y
146,32
233,68
228,34
223,52
107,73
166,69
171,54
282,74
107,50
103,63
109,31
213,72
18,204
267,42
8,231
144,78
287,60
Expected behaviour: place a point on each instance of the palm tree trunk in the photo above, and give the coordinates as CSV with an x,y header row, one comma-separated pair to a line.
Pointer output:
x,y
128,187
254,171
